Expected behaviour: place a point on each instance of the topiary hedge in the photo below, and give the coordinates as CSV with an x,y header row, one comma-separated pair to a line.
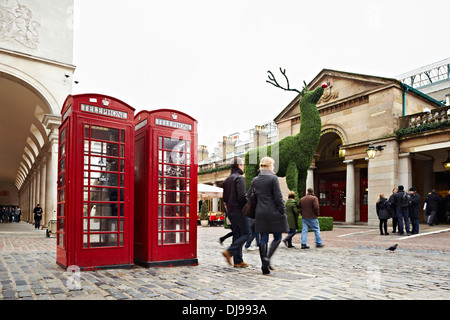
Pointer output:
x,y
293,154
325,224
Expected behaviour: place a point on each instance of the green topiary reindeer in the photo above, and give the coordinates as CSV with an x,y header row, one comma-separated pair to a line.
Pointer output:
x,y
293,155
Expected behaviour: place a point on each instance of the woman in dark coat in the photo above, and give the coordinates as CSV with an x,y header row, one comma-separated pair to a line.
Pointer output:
x,y
270,211
383,208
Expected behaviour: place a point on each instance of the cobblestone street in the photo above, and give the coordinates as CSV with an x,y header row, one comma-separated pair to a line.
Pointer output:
x,y
354,264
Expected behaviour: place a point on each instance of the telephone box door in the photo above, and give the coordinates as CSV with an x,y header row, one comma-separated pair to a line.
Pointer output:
x,y
95,183
174,224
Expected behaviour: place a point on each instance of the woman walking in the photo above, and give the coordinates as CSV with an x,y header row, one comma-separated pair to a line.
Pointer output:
x,y
270,211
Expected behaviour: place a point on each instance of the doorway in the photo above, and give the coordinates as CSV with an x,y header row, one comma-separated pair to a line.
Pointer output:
x,y
332,195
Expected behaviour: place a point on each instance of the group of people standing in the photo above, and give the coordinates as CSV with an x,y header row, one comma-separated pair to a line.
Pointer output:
x,y
404,207
272,214
9,214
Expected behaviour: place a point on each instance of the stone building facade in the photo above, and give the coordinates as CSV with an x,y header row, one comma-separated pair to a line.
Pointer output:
x,y
358,110
36,52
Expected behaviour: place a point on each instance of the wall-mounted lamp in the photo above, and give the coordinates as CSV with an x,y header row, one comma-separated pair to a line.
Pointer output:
x,y
372,151
447,163
341,151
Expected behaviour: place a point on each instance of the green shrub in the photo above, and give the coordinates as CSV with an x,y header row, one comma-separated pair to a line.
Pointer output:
x,y
325,224
204,211
425,127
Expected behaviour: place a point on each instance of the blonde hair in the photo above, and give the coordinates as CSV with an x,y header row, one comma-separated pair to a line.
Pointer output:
x,y
380,196
266,163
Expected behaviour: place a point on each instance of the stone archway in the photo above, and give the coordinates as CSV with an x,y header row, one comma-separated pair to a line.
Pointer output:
x,y
24,141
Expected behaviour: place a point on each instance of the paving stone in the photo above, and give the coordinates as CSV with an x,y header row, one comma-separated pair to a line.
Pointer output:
x,y
342,270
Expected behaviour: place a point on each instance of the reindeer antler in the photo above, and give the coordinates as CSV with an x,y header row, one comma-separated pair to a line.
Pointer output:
x,y
274,82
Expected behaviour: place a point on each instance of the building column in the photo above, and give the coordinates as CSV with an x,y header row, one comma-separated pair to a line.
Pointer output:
x,y
29,199
428,175
52,123
25,206
42,196
382,177
405,170
350,193
310,178
51,192
37,174
33,196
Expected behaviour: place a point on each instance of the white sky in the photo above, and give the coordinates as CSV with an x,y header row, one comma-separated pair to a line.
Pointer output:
x,y
209,58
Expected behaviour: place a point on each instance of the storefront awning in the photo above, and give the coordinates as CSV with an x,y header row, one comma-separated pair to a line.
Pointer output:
x,y
205,191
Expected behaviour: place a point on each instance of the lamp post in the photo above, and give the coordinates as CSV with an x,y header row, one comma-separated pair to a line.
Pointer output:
x,y
446,163
372,151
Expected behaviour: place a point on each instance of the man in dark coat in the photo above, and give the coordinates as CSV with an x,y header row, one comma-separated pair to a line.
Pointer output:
x,y
37,216
393,211
402,209
414,210
310,214
433,201
234,197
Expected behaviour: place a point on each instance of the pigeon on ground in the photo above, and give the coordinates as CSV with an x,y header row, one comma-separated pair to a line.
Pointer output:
x,y
392,248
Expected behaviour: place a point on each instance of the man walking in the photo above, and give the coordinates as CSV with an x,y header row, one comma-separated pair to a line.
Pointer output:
x,y
414,210
433,201
235,199
309,205
37,216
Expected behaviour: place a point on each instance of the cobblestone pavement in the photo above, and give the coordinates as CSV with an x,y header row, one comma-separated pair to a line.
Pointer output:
x,y
354,264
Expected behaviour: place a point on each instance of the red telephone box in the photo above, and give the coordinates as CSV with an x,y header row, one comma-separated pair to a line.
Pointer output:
x,y
95,183
165,189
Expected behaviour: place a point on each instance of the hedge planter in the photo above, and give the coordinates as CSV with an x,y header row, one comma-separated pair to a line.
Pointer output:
x,y
325,224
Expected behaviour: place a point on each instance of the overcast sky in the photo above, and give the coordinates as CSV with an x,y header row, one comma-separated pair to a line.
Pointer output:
x,y
210,58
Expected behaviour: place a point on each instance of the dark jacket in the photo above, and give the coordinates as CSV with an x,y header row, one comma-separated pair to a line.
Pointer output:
x,y
433,201
270,210
392,207
414,210
310,206
447,203
37,213
292,213
234,191
397,199
383,209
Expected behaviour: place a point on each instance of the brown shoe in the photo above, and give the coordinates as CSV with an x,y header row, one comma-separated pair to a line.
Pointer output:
x,y
227,256
241,265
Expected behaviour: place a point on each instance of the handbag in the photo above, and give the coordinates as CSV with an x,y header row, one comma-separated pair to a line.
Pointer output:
x,y
249,209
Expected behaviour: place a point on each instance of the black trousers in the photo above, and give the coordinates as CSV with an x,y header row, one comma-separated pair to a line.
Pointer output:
x,y
383,225
240,228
